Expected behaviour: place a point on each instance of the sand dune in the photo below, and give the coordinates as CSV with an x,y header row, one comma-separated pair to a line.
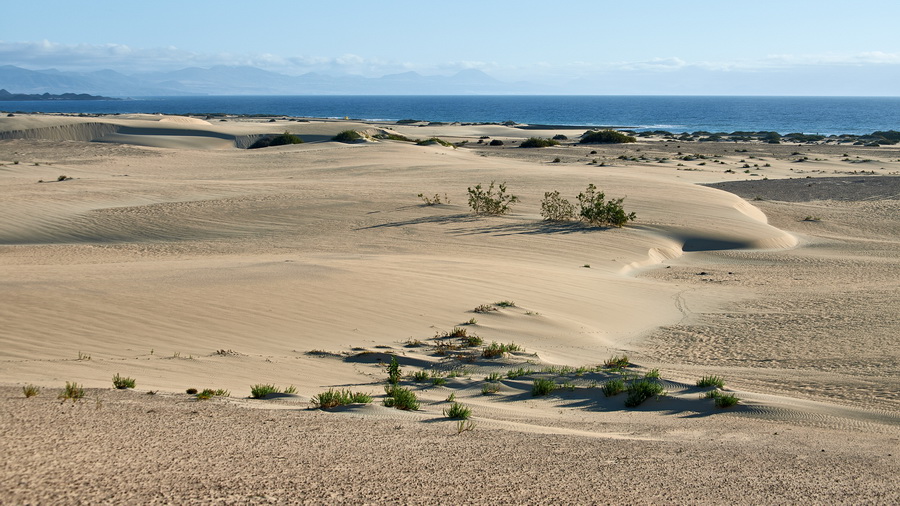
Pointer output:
x,y
171,255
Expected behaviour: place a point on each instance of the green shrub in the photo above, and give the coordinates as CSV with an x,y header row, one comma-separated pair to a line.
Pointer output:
x,y
334,398
435,140
276,140
347,136
617,362
72,391
613,387
490,388
538,142
400,398
30,390
458,411
494,376
542,386
421,376
722,400
556,208
472,341
290,390
605,137
122,383
560,137
711,381
505,303
516,373
596,211
495,142
438,381
489,201
259,391
652,374
496,349
394,372
641,390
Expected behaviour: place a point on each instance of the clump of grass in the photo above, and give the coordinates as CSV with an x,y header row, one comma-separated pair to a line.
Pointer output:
x,y
72,391
290,390
641,390
613,387
472,321
484,308
420,376
347,136
451,397
394,372
400,398
30,390
458,411
457,332
721,399
472,341
505,303
493,377
334,398
209,393
711,381
498,350
438,381
123,383
259,391
490,388
617,362
542,386
464,426
516,373
652,374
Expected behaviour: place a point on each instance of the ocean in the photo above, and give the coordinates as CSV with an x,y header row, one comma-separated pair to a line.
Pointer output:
x,y
811,115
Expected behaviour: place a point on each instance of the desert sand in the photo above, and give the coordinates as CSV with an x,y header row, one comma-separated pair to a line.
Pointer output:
x,y
157,248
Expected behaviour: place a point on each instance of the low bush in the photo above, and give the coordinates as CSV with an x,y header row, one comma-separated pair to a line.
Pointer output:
x,y
542,386
617,362
421,376
490,388
72,391
538,142
495,142
496,349
721,399
259,391
435,140
348,136
122,383
394,373
613,387
400,398
458,411
595,210
605,137
334,398
641,390
276,140
490,201
556,208
711,381
30,390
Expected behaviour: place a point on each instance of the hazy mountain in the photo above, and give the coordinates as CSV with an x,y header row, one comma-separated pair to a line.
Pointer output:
x,y
242,80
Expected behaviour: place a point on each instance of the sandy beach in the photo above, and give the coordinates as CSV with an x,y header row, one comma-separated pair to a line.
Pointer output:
x,y
161,249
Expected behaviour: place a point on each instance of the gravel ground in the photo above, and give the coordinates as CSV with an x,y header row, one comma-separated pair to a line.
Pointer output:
x,y
851,188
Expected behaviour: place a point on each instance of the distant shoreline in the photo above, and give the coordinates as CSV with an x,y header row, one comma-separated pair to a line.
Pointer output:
x,y
6,96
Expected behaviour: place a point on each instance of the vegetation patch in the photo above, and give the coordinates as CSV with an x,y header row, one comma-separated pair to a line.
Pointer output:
x,y
617,362
496,349
538,142
348,136
72,391
400,398
123,383
605,137
458,411
711,381
276,140
556,208
721,399
333,398
260,390
641,390
542,386
613,387
594,209
491,201
30,390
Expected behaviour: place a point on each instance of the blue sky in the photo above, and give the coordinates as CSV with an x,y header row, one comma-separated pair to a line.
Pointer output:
x,y
689,47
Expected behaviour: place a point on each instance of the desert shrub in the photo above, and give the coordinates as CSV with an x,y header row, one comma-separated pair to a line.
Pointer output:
x,y
72,391
495,142
617,362
484,308
605,137
472,341
458,411
560,137
347,136
613,387
122,383
290,390
393,370
556,208
420,376
505,303
596,211
394,137
721,399
334,398
538,142
191,391
491,201
259,391
400,398
493,377
433,201
711,381
438,381
652,374
490,388
276,140
30,390
516,373
641,390
542,386
435,140
498,350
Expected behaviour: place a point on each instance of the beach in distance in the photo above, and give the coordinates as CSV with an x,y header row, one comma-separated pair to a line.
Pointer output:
x,y
255,309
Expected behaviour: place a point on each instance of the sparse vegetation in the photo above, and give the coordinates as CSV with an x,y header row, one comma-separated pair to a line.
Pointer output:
x,y
458,411
400,398
464,426
260,390
721,399
556,208
505,303
594,209
605,137
617,362
30,390
498,350
348,136
276,140
484,308
490,388
517,373
394,372
72,391
641,390
613,387
334,398
433,201
123,383
490,201
711,381
542,386
538,142
435,140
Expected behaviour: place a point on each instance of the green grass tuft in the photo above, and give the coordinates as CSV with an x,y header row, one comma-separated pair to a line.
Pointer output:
x,y
542,386
641,390
30,390
122,383
617,362
259,391
334,398
400,398
711,381
613,387
458,411
72,391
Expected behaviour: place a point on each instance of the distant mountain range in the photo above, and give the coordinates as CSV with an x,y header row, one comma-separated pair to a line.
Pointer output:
x,y
241,80
6,96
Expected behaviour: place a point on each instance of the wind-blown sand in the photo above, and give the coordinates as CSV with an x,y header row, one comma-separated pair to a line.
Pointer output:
x,y
174,257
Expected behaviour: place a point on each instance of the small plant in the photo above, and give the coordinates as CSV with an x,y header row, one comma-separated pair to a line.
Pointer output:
x,y
464,426
641,390
420,376
613,387
30,390
595,210
205,394
451,397
505,303
191,391
438,381
489,201
347,136
259,391
72,391
517,373
400,398
652,374
458,411
812,218
484,308
711,381
498,350
556,208
433,201
83,356
722,400
334,398
394,372
290,390
538,142
605,137
490,388
542,386
494,376
122,383
617,362
472,341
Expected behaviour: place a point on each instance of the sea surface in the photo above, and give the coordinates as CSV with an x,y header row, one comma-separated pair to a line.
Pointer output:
x,y
821,115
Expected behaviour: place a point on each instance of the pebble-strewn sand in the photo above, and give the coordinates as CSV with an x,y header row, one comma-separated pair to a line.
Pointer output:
x,y
172,256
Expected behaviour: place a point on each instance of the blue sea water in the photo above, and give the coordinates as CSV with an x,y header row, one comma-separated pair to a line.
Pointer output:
x,y
822,115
